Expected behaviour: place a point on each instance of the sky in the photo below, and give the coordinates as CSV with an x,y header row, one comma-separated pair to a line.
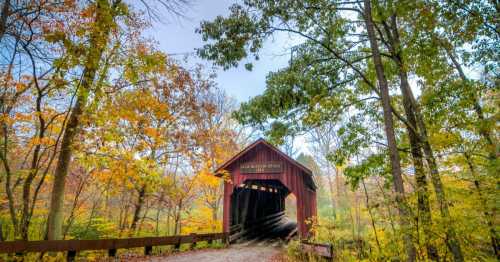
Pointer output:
x,y
177,37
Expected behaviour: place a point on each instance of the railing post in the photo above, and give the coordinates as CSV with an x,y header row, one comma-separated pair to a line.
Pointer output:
x,y
225,239
148,250
71,256
112,252
177,246
210,241
193,240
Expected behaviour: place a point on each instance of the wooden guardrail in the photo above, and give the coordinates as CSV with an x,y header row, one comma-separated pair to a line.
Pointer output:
x,y
73,246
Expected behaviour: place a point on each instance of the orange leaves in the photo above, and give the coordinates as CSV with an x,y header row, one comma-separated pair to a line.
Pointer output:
x,y
141,49
4,118
88,12
20,87
151,132
23,117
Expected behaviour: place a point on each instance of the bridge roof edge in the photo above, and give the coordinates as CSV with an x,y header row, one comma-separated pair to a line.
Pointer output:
x,y
269,145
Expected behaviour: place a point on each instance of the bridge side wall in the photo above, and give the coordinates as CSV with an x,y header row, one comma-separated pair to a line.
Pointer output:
x,y
292,177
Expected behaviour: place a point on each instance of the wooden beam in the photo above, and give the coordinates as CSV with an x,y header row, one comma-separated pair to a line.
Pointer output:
x,y
21,246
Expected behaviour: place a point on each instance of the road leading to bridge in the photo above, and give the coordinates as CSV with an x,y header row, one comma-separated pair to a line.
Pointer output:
x,y
255,252
263,247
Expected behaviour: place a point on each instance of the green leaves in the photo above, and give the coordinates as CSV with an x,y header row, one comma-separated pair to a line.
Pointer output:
x,y
373,165
234,37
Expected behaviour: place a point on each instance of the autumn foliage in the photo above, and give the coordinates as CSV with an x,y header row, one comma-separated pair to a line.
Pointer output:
x,y
95,116
102,134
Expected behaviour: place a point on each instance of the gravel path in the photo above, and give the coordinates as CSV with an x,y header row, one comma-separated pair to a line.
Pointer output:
x,y
236,253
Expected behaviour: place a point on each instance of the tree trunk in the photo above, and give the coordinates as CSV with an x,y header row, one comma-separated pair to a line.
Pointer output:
x,y
169,213
144,214
25,215
332,192
138,207
95,204
74,206
419,130
421,180
1,232
4,152
371,216
337,186
124,214
353,224
396,172
3,18
177,225
158,213
214,219
9,193
55,219
98,42
389,210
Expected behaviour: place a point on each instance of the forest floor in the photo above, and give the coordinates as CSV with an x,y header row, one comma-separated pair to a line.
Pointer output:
x,y
253,252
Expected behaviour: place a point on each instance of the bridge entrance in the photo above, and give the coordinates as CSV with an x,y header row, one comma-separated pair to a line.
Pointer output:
x,y
258,211
256,183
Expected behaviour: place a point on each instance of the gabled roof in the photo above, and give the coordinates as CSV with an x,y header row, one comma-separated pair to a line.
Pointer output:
x,y
262,141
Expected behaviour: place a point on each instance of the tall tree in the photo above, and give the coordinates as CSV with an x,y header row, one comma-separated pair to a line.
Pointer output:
x,y
104,19
419,141
389,130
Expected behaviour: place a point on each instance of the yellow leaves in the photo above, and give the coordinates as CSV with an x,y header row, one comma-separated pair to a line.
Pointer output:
x,y
104,174
201,220
441,140
54,36
226,176
141,146
208,179
46,141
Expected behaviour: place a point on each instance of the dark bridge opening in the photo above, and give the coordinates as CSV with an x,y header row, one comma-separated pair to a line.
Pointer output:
x,y
258,211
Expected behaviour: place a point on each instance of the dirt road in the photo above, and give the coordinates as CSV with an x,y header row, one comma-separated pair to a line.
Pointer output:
x,y
263,251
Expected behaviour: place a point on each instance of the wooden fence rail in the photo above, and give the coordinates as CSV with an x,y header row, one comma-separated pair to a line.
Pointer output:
x,y
73,246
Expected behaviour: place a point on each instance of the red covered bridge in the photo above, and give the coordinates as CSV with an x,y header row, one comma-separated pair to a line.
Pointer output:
x,y
259,178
